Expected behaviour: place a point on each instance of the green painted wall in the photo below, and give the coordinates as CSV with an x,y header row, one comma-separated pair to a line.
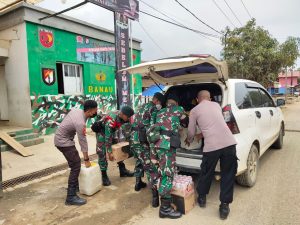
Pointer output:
x,y
64,50
48,107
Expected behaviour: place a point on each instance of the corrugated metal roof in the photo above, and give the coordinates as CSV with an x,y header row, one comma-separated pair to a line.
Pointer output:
x,y
8,3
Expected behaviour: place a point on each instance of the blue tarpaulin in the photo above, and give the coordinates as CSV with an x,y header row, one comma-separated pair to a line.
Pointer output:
x,y
150,91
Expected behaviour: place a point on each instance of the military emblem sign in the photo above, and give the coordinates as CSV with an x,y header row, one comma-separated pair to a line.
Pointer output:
x,y
48,76
46,38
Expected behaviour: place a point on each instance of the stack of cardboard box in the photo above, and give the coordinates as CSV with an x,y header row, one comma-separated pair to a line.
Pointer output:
x,y
183,193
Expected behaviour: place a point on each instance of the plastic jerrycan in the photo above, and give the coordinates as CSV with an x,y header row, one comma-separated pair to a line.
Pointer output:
x,y
90,179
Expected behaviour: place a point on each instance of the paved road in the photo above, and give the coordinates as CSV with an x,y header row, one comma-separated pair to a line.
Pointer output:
x,y
274,200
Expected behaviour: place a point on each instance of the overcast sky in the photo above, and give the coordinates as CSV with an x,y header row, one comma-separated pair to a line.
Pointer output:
x,y
280,18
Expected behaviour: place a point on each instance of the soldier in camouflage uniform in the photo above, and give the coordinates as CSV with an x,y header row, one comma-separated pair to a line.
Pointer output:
x,y
165,139
138,139
105,130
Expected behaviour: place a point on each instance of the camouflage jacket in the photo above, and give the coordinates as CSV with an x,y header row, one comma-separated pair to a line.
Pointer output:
x,y
143,117
167,119
111,123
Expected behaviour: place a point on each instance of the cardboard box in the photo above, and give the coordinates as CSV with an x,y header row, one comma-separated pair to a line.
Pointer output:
x,y
121,151
182,193
184,204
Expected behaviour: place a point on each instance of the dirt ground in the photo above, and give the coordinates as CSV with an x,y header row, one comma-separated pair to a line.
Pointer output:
x,y
43,203
274,200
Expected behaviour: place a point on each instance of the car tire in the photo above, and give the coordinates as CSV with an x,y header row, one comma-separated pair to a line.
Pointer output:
x,y
279,142
248,178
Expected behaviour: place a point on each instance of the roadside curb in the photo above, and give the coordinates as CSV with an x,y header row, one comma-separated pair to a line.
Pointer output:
x,y
18,181
291,130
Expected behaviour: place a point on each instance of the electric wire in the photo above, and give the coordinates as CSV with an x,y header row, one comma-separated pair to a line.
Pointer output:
x,y
154,42
201,21
233,12
246,9
227,17
176,24
176,20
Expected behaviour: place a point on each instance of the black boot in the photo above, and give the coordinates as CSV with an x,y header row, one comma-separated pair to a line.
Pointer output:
x,y
123,171
155,198
105,179
139,184
73,199
166,211
224,211
202,201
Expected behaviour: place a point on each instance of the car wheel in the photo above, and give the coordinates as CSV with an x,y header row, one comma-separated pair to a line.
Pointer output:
x,y
248,178
279,142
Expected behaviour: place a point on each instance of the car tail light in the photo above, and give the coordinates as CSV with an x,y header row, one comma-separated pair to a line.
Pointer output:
x,y
230,120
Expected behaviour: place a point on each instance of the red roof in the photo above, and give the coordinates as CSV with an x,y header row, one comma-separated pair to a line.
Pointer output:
x,y
295,73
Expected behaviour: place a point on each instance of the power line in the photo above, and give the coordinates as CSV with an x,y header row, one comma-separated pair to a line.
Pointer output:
x,y
152,39
150,6
176,24
175,20
233,12
197,17
246,10
223,13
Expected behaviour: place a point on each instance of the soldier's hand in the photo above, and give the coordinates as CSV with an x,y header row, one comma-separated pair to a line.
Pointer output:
x,y
87,164
111,156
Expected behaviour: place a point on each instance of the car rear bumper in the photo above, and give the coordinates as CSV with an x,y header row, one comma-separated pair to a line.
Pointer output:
x,y
188,161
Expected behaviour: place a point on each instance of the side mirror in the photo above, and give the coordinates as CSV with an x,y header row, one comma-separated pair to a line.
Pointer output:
x,y
280,102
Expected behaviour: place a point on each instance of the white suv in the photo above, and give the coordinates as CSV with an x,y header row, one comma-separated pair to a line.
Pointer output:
x,y
251,114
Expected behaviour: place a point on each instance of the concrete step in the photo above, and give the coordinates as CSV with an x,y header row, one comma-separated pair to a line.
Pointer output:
x,y
20,132
22,137
26,143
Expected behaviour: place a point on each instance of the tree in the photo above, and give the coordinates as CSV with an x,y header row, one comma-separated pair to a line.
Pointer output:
x,y
289,51
251,53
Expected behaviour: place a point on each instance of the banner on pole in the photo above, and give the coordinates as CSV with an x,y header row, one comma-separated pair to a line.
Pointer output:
x,y
122,58
130,8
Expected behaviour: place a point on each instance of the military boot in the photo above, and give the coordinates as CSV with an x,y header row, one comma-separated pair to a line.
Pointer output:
x,y
73,198
105,179
155,198
123,171
139,184
166,210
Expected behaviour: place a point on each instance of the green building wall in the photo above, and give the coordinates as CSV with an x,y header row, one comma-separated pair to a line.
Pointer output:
x,y
48,106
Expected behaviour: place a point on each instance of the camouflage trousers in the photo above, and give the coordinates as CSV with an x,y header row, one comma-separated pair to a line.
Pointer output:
x,y
102,160
164,160
143,163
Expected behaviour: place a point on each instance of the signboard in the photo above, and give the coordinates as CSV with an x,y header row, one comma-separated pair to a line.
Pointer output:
x,y
94,51
130,8
48,76
122,56
46,37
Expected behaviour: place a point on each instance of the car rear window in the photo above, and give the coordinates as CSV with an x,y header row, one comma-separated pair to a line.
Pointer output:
x,y
202,68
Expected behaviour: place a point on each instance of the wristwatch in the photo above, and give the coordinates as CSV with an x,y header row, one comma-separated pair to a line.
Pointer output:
x,y
86,160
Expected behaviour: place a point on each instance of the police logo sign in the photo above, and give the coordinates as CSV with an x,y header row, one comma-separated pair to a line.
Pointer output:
x,y
48,76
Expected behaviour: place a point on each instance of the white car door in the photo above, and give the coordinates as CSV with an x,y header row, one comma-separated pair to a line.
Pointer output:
x,y
262,118
274,116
